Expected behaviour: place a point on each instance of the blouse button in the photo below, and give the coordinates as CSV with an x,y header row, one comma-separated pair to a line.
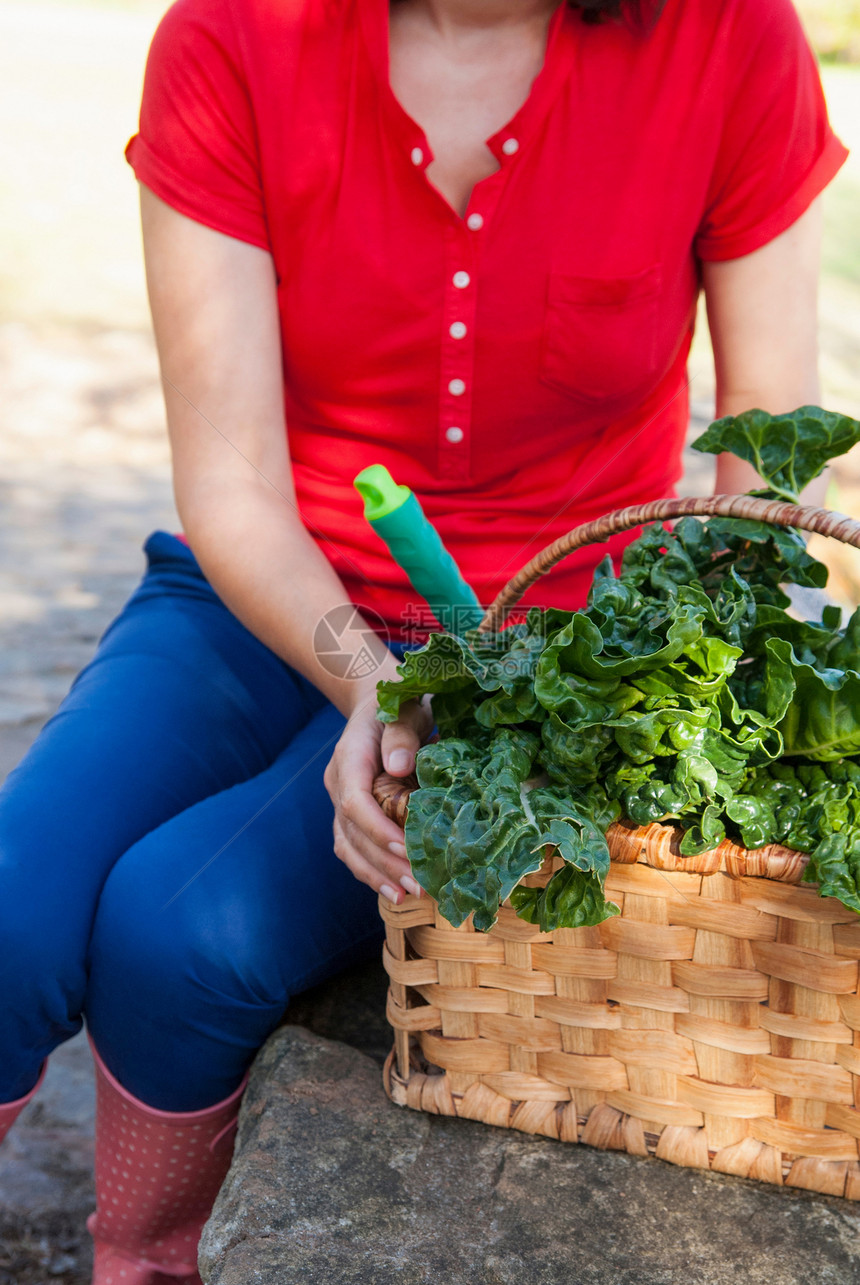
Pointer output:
x,y
454,435
457,330
509,146
461,280
456,388
475,222
417,156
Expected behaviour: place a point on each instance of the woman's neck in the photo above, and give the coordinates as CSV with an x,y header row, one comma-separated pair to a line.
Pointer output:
x,y
462,69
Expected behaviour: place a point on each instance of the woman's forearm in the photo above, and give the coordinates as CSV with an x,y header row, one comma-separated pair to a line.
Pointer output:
x,y
268,570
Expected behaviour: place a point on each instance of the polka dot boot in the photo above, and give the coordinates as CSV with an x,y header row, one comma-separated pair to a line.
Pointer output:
x,y
157,1176
9,1111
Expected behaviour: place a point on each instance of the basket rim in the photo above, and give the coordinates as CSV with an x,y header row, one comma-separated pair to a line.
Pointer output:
x,y
656,845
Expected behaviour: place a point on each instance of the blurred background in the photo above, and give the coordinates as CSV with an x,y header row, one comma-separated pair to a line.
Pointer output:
x,y
83,455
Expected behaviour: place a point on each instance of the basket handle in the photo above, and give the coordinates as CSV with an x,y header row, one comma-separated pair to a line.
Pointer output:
x,y
776,512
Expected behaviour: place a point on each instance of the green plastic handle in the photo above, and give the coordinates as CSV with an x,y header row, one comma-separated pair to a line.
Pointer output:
x,y
397,517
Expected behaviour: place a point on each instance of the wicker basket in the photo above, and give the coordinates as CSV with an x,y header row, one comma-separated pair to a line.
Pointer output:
x,y
715,1023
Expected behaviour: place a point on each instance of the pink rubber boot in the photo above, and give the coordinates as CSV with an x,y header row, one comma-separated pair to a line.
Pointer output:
x,y
9,1111
157,1176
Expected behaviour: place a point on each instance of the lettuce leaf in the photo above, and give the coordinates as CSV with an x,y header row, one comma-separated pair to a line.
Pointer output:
x,y
822,720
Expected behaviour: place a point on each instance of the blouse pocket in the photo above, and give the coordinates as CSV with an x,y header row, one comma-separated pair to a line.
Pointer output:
x,y
600,336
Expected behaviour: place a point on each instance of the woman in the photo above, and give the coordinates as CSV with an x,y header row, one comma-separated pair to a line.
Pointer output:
x,y
463,238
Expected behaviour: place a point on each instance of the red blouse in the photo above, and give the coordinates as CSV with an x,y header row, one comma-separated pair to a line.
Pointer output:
x,y
522,368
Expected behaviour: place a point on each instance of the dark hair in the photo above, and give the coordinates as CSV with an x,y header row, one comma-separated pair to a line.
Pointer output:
x,y
642,13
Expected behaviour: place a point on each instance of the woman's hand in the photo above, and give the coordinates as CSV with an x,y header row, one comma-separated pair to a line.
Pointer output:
x,y
365,839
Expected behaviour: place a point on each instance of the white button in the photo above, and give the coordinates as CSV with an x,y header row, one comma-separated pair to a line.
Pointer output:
x,y
454,435
475,222
417,156
456,388
509,146
461,280
457,329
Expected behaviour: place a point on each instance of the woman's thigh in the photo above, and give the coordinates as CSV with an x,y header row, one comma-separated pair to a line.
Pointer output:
x,y
179,702
210,923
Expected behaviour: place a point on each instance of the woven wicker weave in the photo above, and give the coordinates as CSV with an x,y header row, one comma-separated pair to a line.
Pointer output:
x,y
714,1023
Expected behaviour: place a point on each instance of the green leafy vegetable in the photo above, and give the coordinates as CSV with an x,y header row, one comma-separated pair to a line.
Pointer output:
x,y
683,691
787,451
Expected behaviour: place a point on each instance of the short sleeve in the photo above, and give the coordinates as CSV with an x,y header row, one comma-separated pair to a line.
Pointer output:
x,y
777,151
197,142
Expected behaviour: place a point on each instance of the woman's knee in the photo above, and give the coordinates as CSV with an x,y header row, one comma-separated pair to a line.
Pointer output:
x,y
177,945
181,993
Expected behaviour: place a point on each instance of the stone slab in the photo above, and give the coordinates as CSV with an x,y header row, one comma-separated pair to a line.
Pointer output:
x,y
331,1184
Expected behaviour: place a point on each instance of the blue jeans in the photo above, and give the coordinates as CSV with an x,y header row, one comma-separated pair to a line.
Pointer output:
x,y
166,862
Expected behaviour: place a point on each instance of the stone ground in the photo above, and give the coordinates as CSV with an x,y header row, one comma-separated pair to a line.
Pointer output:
x,y
84,478
333,1185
